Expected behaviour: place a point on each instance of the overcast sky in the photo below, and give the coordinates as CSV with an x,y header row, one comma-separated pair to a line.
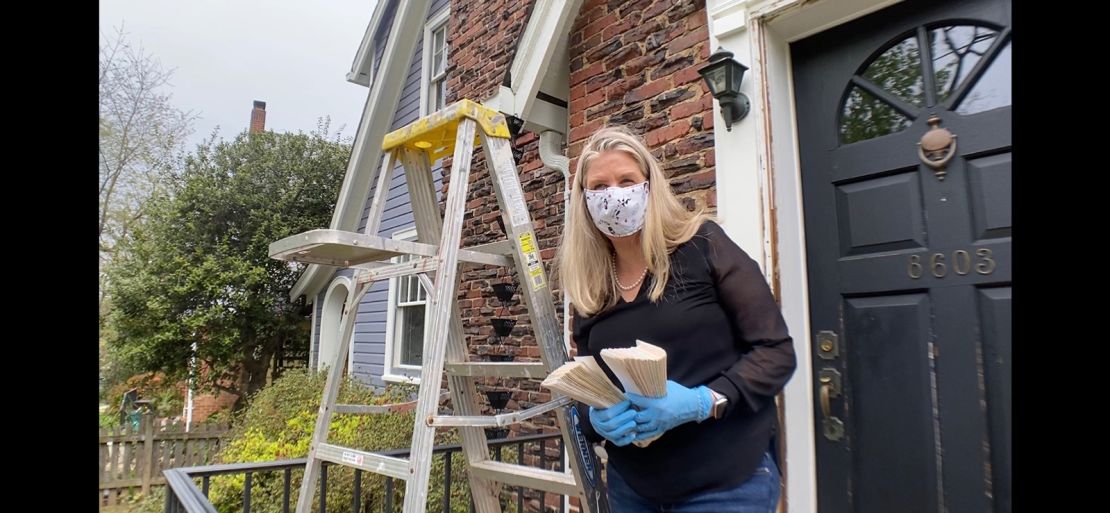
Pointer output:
x,y
292,54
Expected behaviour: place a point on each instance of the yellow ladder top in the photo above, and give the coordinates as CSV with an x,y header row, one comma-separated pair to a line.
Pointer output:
x,y
435,133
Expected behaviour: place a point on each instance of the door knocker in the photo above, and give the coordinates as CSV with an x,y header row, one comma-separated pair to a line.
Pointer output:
x,y
937,147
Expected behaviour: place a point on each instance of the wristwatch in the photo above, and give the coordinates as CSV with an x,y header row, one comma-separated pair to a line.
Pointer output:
x,y
720,401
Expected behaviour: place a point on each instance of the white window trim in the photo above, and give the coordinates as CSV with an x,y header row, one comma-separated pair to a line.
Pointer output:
x,y
425,61
391,372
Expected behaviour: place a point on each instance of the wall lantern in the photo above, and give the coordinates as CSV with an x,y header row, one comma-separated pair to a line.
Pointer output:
x,y
724,74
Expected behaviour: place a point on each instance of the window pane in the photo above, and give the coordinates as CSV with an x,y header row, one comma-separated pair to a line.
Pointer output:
x,y
992,90
412,334
866,117
402,291
898,70
956,49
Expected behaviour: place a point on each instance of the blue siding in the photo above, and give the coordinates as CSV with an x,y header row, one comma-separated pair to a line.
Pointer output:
x,y
370,323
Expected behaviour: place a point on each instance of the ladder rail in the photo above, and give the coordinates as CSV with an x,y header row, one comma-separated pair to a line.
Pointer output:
x,y
540,304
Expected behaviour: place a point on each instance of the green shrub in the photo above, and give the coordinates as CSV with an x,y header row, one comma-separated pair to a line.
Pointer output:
x,y
278,424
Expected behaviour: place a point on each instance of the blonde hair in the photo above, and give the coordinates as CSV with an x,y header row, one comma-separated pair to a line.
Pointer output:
x,y
584,255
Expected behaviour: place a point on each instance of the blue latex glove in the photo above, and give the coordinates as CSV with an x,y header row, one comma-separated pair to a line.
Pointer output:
x,y
616,423
681,405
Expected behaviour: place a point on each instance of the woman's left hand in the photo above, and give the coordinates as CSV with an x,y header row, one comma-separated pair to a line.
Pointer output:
x,y
679,406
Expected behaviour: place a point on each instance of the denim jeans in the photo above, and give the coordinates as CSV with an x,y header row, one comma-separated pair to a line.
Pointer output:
x,y
759,494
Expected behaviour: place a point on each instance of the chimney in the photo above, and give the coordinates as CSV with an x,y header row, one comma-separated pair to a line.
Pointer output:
x,y
258,117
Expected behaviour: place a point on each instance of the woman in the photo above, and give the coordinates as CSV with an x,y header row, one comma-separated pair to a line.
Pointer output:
x,y
637,265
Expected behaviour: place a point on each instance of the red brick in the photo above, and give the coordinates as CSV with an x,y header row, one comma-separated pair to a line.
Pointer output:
x,y
691,107
602,52
667,133
589,100
623,55
648,90
598,81
598,25
526,138
688,40
656,9
685,76
640,32
616,30
587,45
587,72
583,131
604,109
578,91
591,11
574,149
635,66
696,181
697,20
694,143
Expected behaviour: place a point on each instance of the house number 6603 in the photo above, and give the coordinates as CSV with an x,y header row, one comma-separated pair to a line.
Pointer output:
x,y
961,263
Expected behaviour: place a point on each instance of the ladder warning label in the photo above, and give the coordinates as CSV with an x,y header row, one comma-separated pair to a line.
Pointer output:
x,y
352,458
513,194
532,260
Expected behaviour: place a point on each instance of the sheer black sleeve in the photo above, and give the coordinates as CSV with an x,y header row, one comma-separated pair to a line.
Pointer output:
x,y
752,382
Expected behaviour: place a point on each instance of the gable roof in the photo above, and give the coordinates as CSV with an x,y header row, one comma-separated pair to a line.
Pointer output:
x,y
361,68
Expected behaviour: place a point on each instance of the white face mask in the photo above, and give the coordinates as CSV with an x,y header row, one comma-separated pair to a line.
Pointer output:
x,y
618,211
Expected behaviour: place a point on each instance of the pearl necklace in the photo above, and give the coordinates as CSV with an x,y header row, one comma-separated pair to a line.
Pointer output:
x,y
613,269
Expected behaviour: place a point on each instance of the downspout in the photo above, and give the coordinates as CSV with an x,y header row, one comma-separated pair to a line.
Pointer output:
x,y
551,154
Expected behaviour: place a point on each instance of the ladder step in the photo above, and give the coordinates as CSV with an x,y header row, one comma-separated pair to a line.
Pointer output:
x,y
503,419
501,247
341,248
367,409
499,369
528,477
420,265
368,461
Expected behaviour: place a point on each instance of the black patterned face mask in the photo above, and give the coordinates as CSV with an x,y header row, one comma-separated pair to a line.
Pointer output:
x,y
618,211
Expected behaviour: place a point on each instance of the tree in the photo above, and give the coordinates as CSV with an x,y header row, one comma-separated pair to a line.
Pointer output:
x,y
141,138
198,270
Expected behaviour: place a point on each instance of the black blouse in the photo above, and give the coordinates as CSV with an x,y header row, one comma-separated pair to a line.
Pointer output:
x,y
722,328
